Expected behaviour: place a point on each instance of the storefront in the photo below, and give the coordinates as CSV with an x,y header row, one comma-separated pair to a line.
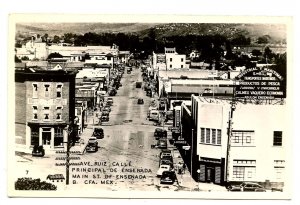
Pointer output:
x,y
211,170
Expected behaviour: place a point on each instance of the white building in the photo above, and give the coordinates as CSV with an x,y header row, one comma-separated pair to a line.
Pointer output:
x,y
258,143
174,60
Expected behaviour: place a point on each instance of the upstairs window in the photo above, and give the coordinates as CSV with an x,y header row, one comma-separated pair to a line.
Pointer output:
x,y
277,138
46,113
242,138
58,113
34,90
35,112
59,90
181,59
170,59
47,90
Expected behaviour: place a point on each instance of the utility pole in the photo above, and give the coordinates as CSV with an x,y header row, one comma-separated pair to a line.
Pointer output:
x,y
229,131
69,131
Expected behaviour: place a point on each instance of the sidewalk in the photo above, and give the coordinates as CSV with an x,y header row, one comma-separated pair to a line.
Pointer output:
x,y
92,121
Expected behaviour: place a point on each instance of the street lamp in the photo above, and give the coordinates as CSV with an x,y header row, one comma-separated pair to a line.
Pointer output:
x,y
198,171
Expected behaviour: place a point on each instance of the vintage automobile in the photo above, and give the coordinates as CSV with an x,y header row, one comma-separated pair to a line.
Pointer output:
x,y
162,144
98,133
106,109
165,153
168,177
163,168
247,186
110,101
38,151
104,118
92,147
160,133
140,101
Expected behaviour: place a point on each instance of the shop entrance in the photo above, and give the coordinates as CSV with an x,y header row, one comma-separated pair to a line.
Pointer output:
x,y
46,137
210,174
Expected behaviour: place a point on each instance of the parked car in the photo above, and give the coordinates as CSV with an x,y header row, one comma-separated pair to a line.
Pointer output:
x,y
166,162
112,92
140,101
165,153
92,147
110,101
163,168
160,133
162,143
106,109
104,118
93,140
98,133
38,151
168,177
169,158
247,186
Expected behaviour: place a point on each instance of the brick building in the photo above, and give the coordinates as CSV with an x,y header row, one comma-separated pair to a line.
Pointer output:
x,y
44,106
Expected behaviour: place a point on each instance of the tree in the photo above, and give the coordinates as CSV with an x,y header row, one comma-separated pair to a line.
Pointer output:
x,y
54,55
25,58
17,60
56,39
263,39
256,52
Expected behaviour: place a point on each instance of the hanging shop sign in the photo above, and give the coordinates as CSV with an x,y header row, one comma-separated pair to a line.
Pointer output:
x,y
260,84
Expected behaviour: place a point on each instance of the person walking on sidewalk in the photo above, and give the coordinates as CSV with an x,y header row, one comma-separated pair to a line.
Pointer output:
x,y
183,168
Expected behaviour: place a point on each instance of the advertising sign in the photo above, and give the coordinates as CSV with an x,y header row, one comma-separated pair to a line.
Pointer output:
x,y
260,84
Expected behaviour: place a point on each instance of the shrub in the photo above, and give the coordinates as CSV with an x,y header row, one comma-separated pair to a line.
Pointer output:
x,y
33,184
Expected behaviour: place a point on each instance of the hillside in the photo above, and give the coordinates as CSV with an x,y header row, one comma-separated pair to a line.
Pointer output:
x,y
277,33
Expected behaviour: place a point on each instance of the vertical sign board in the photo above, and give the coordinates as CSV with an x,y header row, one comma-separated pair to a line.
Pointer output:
x,y
177,118
260,84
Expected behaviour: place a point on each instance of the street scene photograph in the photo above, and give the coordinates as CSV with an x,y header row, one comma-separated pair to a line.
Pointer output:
x,y
187,108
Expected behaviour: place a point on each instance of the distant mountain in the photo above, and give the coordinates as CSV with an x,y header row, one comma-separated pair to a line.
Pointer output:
x,y
80,28
276,32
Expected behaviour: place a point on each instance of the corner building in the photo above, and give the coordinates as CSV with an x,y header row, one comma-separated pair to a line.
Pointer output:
x,y
257,145
44,105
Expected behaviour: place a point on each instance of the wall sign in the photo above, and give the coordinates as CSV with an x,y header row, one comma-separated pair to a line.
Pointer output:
x,y
260,84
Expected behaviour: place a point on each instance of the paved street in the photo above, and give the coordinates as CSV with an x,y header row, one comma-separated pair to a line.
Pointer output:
x,y
125,159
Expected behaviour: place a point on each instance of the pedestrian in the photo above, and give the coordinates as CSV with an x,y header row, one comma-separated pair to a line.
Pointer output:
x,y
184,167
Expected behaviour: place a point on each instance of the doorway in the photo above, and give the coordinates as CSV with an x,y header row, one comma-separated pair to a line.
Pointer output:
x,y
46,137
210,174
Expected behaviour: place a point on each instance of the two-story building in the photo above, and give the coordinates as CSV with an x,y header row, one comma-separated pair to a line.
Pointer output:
x,y
44,107
252,148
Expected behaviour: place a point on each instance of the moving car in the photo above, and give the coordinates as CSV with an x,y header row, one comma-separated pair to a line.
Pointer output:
x,y
140,101
38,151
93,140
160,133
163,168
98,133
138,84
247,186
168,177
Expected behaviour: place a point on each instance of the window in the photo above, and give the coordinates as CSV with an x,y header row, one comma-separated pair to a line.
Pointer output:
x,y
219,134
170,59
170,65
207,135
108,58
181,59
277,138
213,136
202,135
34,90
242,138
244,170
58,137
35,112
181,66
58,113
46,113
34,136
47,90
58,90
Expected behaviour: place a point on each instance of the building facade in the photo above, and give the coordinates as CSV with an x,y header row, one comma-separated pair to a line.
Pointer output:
x,y
252,149
45,105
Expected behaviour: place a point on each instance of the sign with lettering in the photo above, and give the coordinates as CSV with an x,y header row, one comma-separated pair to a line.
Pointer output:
x,y
260,84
